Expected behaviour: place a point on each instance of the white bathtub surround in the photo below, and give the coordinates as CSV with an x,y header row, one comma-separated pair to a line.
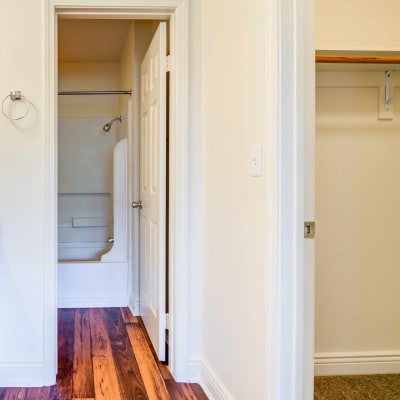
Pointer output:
x,y
102,283
119,250
78,251
85,188
92,284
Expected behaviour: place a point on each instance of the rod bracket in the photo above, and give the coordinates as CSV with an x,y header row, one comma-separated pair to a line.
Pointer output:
x,y
389,99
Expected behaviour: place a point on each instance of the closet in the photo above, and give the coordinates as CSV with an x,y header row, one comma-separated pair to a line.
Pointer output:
x,y
357,258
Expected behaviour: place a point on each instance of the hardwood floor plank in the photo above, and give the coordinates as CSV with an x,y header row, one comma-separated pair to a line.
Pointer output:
x,y
66,337
100,341
82,383
86,398
12,393
198,391
106,384
153,381
36,393
165,372
130,369
128,317
129,377
174,390
185,391
42,393
56,393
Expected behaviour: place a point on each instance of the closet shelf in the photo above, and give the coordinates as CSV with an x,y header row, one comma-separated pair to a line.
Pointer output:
x,y
386,61
361,60
357,59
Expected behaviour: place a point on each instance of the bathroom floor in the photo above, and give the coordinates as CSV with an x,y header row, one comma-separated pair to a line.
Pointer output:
x,y
104,353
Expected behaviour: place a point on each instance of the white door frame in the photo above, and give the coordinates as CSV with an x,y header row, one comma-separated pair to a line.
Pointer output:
x,y
177,12
290,275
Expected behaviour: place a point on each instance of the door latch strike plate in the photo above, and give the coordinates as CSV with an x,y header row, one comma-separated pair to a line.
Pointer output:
x,y
309,229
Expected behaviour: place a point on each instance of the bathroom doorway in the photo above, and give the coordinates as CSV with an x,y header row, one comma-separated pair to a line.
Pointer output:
x,y
98,98
178,297
111,254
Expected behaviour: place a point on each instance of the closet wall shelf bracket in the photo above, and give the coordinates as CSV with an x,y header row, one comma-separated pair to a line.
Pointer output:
x,y
389,97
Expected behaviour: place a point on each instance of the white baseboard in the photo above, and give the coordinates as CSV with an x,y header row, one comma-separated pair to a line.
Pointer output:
x,y
357,363
29,374
201,373
134,306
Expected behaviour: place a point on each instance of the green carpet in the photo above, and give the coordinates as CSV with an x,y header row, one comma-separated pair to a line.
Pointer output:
x,y
357,387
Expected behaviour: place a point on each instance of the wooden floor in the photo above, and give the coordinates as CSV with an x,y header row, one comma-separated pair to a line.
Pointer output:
x,y
104,354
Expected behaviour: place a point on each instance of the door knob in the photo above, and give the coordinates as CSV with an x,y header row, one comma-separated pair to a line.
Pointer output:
x,y
136,204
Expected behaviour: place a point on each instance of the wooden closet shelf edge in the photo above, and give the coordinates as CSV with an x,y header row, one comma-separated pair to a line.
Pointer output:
x,y
357,59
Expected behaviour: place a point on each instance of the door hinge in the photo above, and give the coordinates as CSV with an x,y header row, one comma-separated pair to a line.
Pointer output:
x,y
167,63
166,321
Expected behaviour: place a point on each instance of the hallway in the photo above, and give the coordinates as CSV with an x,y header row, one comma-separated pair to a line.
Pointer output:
x,y
104,354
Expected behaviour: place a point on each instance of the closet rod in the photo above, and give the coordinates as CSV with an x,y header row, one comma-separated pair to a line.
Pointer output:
x,y
96,92
358,59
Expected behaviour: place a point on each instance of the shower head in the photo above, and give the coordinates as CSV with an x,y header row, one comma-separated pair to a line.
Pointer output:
x,y
107,126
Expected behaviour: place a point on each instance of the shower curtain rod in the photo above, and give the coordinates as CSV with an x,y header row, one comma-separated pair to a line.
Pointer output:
x,y
79,92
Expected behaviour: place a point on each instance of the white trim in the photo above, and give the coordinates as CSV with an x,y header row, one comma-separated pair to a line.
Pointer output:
x,y
308,99
134,306
287,365
27,374
49,206
357,363
177,10
201,373
178,192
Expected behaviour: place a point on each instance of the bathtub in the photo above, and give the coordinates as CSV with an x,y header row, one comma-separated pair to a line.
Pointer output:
x,y
98,275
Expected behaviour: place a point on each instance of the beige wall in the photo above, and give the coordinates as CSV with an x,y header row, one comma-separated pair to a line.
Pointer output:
x,y
234,204
21,192
126,67
227,114
88,76
357,193
344,24
358,218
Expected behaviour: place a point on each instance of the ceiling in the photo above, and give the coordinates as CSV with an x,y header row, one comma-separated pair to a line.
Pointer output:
x,y
91,40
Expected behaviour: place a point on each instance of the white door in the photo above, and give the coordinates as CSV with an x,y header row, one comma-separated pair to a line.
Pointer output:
x,y
153,190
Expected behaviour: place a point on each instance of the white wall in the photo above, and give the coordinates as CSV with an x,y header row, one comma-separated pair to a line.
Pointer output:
x,y
234,204
21,191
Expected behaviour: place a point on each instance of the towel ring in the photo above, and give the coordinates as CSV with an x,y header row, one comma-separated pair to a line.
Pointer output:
x,y
16,96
